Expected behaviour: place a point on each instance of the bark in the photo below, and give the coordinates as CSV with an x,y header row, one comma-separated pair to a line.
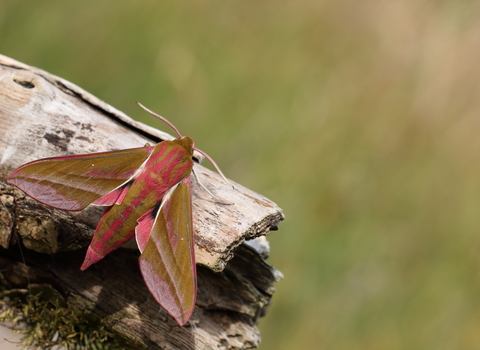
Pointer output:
x,y
45,116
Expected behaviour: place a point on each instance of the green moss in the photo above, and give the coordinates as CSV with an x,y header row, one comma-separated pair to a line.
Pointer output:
x,y
46,320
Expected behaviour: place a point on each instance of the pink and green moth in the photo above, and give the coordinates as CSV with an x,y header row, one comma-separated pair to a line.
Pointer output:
x,y
148,193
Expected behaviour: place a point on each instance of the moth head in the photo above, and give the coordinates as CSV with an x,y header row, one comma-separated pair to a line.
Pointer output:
x,y
198,155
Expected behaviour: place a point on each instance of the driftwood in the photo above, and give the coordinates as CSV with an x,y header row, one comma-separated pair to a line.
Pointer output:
x,y
45,116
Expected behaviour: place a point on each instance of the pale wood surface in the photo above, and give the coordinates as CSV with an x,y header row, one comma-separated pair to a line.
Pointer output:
x,y
45,116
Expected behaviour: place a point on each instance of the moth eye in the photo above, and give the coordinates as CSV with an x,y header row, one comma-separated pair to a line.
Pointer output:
x,y
197,157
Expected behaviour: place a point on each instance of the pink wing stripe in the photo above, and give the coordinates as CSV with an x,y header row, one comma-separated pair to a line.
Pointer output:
x,y
143,229
115,197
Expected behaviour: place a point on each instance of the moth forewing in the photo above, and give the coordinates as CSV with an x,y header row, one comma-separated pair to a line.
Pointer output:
x,y
168,261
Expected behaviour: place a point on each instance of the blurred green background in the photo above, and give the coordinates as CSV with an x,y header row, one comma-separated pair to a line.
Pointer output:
x,y
361,119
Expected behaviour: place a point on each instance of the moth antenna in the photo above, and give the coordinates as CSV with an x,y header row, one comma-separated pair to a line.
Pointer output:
x,y
215,165
161,118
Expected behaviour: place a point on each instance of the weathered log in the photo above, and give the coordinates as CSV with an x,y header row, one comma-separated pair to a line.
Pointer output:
x,y
45,116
